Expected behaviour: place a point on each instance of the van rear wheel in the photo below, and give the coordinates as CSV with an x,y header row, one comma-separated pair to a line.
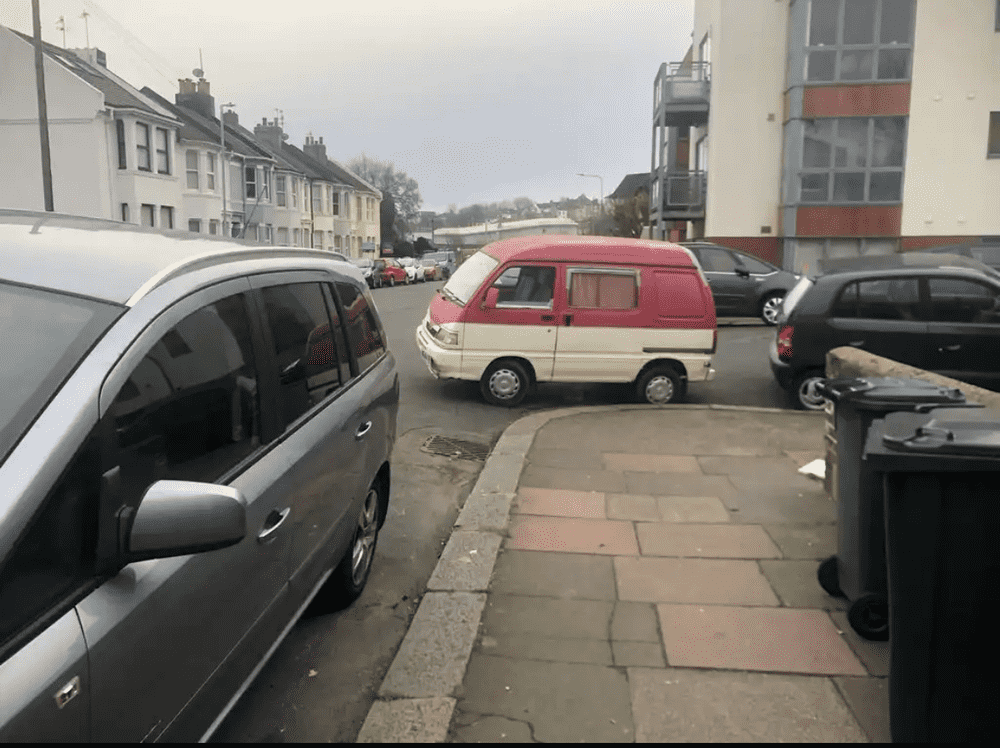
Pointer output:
x,y
659,385
505,383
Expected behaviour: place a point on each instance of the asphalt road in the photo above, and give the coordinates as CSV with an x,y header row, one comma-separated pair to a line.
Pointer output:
x,y
319,684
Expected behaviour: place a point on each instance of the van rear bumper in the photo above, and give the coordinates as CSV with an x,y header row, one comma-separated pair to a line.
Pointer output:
x,y
698,369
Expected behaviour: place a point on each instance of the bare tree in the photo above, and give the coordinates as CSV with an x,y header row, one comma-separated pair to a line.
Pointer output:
x,y
632,214
393,183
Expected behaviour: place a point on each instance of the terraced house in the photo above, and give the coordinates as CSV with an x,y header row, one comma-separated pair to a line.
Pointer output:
x,y
808,129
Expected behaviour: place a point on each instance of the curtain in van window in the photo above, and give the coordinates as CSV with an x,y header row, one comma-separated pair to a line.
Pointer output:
x,y
602,291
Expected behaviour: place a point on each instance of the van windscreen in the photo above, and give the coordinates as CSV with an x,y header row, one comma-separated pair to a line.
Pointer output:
x,y
469,277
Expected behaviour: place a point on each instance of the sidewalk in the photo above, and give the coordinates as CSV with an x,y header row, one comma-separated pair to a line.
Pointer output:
x,y
638,574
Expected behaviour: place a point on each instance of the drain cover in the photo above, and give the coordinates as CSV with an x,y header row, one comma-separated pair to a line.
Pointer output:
x,y
458,449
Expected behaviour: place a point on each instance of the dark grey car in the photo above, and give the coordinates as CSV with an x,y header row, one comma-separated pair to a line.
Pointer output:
x,y
195,441
743,285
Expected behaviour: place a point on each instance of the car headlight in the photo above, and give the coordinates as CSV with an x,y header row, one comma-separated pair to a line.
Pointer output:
x,y
443,334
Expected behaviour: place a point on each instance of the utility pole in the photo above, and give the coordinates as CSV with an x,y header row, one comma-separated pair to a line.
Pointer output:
x,y
223,163
61,26
43,112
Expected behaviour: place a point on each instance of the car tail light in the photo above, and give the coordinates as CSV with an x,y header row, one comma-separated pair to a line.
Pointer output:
x,y
785,341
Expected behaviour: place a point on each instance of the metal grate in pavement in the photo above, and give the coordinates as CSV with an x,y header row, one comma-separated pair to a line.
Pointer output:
x,y
445,446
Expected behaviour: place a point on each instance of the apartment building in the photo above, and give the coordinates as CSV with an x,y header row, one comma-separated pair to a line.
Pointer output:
x,y
808,129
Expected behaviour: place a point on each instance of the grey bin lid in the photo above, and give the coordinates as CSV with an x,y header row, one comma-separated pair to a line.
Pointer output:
x,y
967,432
888,391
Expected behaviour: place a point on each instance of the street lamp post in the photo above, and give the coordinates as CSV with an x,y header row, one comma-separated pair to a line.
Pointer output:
x,y
223,164
596,176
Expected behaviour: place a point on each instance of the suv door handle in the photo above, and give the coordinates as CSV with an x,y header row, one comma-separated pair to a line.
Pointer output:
x,y
949,348
857,343
274,520
363,429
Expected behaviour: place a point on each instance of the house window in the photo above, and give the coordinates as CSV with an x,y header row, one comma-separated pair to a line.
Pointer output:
x,y
142,147
162,152
993,139
336,203
326,197
859,40
295,192
358,205
282,237
166,217
235,229
120,132
192,169
306,238
279,190
318,237
213,227
317,198
336,242
251,179
265,183
853,160
194,225
147,215
235,183
125,213
210,171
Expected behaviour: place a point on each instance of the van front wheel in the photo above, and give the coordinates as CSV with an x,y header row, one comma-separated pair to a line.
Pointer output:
x,y
505,383
659,386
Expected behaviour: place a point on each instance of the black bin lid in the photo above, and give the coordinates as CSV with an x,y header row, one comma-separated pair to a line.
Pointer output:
x,y
945,431
889,392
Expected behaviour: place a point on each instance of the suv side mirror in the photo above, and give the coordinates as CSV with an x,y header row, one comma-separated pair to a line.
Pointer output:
x,y
742,271
490,301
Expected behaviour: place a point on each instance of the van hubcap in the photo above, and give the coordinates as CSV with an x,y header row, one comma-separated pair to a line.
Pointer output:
x,y
504,384
660,390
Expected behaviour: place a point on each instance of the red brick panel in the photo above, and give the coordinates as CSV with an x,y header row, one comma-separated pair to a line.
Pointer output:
x,y
764,247
924,242
869,100
874,220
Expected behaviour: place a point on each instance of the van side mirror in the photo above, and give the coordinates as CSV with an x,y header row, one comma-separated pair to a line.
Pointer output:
x,y
490,302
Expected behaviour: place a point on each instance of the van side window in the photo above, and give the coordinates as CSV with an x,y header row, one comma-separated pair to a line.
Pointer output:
x,y
304,347
602,289
526,285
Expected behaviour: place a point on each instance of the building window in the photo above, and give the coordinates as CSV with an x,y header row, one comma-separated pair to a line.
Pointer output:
x,y
194,225
251,180
120,132
147,215
306,238
993,140
235,229
213,227
142,147
853,160
318,237
166,217
317,198
162,152
336,203
265,183
210,171
282,237
192,169
358,206
859,40
336,242
279,191
295,192
125,213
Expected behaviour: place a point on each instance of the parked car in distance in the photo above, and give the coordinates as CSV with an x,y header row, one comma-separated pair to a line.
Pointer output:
x,y
202,448
367,267
987,252
743,285
413,271
432,270
338,256
936,312
390,272
573,309
445,259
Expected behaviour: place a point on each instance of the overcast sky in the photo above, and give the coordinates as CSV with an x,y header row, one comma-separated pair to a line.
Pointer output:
x,y
478,101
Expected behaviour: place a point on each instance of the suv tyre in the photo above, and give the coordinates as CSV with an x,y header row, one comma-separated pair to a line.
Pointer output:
x,y
804,390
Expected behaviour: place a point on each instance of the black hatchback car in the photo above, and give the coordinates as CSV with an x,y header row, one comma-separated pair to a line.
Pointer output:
x,y
936,312
743,285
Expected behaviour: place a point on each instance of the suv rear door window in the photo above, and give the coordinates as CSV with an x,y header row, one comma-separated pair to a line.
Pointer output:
x,y
883,298
715,260
957,300
364,330
304,344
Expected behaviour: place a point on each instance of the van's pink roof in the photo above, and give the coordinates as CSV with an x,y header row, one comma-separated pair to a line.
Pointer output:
x,y
589,249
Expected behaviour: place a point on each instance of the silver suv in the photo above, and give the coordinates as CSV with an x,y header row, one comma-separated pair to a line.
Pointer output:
x,y
195,439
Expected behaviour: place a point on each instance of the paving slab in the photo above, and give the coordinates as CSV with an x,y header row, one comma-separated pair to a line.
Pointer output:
x,y
764,502
705,541
692,580
554,502
492,730
757,466
676,705
814,541
638,654
769,639
868,700
466,562
650,463
507,615
580,480
573,459
603,536
692,509
631,507
561,702
562,575
485,511
635,622
408,721
547,648
873,655
677,484
796,585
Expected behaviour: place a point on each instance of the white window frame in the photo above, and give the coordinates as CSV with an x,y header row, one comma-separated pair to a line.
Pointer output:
x,y
163,152
210,171
142,147
279,191
193,172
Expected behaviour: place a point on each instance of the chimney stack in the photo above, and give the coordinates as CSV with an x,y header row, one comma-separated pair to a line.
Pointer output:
x,y
315,149
195,96
270,132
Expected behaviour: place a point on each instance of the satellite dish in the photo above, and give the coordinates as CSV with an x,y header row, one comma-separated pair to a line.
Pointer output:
x,y
198,72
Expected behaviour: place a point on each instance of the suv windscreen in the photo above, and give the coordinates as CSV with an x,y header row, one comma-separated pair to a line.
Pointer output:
x,y
51,332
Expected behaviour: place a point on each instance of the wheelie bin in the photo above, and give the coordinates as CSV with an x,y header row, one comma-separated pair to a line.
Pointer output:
x,y
942,517
857,571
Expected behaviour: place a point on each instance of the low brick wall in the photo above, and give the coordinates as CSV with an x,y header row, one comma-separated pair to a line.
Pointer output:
x,y
850,362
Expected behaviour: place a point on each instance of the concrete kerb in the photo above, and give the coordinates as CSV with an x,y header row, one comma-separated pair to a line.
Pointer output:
x,y
417,697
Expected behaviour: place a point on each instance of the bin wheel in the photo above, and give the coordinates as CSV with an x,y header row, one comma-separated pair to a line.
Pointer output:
x,y
829,577
869,616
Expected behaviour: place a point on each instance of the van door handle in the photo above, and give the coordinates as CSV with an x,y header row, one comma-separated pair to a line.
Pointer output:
x,y
363,429
274,520
951,348
568,318
548,318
